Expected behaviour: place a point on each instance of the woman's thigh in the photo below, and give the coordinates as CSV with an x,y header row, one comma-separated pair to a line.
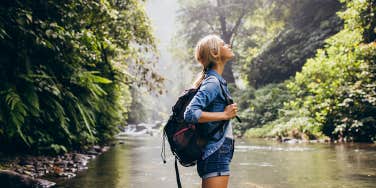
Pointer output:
x,y
215,182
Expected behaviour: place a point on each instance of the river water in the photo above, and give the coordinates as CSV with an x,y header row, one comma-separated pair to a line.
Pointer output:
x,y
256,163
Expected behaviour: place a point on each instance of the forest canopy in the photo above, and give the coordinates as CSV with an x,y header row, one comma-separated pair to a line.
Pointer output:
x,y
67,68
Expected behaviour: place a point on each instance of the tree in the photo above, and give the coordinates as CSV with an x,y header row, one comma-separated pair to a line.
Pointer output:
x,y
221,17
66,68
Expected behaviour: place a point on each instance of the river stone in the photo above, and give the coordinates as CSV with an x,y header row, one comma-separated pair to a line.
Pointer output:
x,y
29,167
67,174
79,157
80,168
97,148
57,170
24,162
105,148
70,163
92,152
292,141
61,163
11,179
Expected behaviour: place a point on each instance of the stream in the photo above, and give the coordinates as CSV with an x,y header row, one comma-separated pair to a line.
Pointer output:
x,y
256,163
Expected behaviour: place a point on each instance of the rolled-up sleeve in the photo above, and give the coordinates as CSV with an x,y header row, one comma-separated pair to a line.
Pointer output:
x,y
208,91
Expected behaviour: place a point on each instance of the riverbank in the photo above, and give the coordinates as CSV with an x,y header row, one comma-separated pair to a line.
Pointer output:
x,y
292,134
25,169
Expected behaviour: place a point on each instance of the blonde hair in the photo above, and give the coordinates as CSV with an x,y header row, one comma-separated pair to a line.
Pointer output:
x,y
207,53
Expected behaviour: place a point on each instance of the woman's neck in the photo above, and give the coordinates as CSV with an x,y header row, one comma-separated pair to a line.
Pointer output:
x,y
219,67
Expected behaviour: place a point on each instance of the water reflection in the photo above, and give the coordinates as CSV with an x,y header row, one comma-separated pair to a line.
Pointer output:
x,y
256,163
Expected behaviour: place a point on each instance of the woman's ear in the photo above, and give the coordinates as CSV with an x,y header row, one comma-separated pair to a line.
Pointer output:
x,y
214,53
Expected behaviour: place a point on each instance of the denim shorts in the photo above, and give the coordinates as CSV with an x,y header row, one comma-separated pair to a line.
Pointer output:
x,y
218,163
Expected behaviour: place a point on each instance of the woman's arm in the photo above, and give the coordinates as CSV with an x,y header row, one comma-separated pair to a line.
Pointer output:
x,y
229,113
206,94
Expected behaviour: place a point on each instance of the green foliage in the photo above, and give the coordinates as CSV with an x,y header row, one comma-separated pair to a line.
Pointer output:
x,y
258,107
259,30
281,47
66,68
334,93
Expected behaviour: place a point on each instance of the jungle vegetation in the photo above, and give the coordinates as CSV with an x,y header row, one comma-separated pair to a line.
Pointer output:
x,y
67,69
300,73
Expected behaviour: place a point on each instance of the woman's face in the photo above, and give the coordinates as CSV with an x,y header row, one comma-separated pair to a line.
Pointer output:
x,y
226,51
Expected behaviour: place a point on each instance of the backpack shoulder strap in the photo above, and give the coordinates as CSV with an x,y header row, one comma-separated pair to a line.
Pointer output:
x,y
177,174
228,101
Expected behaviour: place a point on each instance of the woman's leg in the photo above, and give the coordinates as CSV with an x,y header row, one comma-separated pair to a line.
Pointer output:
x,y
215,182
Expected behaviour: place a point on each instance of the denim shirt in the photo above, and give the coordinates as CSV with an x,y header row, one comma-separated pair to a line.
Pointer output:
x,y
209,98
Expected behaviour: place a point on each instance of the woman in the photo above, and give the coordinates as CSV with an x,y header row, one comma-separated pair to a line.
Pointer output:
x,y
209,108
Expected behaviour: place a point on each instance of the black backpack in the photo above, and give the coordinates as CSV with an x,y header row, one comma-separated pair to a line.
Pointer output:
x,y
186,143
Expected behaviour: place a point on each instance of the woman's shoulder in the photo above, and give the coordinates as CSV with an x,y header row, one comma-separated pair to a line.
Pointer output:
x,y
211,83
211,79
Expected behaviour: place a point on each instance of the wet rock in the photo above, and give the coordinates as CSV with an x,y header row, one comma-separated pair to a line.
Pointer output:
x,y
38,163
61,163
292,141
67,174
285,139
57,170
13,179
28,173
20,170
45,183
80,168
66,165
78,157
97,148
24,162
92,152
73,170
29,167
105,148
141,127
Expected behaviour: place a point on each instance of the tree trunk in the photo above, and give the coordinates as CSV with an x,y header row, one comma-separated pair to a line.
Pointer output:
x,y
227,74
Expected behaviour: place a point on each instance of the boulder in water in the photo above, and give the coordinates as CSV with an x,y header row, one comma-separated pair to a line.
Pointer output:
x,y
13,179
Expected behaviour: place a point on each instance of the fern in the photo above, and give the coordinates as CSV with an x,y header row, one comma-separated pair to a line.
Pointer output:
x,y
88,121
17,113
61,117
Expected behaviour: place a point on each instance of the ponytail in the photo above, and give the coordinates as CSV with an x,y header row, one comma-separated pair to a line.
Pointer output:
x,y
201,77
207,53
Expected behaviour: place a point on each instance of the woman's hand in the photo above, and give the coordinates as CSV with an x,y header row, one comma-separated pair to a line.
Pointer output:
x,y
231,110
